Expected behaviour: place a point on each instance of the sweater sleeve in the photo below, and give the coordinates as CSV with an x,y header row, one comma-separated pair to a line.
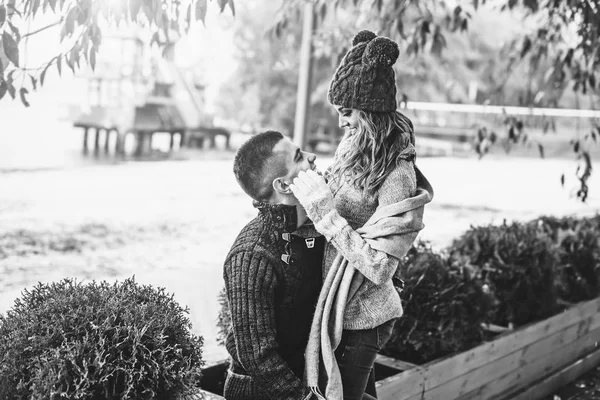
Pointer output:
x,y
377,266
251,283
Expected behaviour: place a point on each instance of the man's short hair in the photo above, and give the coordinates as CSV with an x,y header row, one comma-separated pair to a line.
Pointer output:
x,y
254,165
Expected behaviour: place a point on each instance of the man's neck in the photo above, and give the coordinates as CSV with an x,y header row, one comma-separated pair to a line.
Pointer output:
x,y
302,216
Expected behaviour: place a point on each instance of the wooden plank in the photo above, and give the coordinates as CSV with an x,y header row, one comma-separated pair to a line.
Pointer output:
x,y
209,396
496,369
527,373
560,378
394,363
423,378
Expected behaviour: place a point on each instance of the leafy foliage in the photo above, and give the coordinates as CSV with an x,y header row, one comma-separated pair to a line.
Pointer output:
x,y
556,47
579,252
97,341
521,262
445,304
81,22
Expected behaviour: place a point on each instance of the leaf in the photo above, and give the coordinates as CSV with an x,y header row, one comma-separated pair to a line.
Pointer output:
x,y
576,146
11,88
23,92
3,89
201,10
562,180
10,48
526,46
222,4
2,14
59,64
400,27
70,21
232,6
541,150
43,74
93,58
33,82
35,6
134,8
1,71
52,5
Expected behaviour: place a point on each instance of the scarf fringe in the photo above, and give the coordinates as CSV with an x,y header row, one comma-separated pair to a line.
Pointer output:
x,y
317,392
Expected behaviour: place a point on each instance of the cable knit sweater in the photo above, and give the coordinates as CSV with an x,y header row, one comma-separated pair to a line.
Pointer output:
x,y
376,301
271,298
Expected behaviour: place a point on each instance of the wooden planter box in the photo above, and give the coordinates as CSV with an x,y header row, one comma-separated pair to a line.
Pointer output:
x,y
526,364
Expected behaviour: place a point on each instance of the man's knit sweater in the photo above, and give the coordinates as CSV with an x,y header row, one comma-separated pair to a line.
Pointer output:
x,y
271,298
376,301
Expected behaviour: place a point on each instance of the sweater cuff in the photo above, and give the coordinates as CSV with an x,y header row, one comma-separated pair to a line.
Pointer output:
x,y
331,224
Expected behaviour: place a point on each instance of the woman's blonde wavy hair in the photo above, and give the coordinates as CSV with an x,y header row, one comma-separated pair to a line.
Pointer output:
x,y
374,150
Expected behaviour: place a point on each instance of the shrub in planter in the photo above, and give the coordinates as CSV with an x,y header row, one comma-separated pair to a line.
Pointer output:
x,y
578,240
445,305
67,340
520,260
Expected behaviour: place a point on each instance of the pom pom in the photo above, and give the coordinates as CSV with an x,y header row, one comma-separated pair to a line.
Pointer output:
x,y
363,37
383,51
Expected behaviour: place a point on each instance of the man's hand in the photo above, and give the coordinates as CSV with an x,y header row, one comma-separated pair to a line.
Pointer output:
x,y
313,193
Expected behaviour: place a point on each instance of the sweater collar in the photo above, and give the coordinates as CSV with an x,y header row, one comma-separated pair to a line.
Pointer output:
x,y
281,216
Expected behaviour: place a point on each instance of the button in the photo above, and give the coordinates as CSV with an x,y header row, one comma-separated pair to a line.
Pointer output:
x,y
276,233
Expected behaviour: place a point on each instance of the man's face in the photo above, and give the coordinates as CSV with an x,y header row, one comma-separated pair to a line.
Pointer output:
x,y
293,159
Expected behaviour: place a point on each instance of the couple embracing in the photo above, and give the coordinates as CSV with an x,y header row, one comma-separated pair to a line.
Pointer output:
x,y
310,281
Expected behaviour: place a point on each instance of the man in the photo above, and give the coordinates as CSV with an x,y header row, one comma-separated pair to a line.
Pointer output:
x,y
272,275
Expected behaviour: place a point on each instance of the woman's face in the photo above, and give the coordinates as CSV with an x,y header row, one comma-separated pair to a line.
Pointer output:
x,y
347,119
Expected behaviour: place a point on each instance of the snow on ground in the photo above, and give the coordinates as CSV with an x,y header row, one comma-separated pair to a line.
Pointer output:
x,y
171,223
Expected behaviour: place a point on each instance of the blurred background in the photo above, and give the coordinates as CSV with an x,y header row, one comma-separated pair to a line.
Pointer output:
x,y
126,168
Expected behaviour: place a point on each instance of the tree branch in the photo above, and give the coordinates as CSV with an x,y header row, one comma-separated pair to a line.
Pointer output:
x,y
43,29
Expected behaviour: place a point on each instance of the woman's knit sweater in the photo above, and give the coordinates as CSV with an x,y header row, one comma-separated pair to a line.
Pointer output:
x,y
376,301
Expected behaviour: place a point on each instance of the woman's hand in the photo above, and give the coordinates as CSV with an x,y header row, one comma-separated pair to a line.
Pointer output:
x,y
313,193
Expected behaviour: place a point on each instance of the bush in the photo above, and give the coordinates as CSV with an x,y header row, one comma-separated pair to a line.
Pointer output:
x,y
521,263
67,340
578,241
445,305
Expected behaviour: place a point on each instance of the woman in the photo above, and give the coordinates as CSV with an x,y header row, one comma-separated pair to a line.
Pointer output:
x,y
373,171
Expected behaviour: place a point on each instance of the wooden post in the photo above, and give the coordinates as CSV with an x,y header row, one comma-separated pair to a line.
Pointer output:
x,y
120,143
107,140
150,137
139,143
85,139
172,142
304,78
97,141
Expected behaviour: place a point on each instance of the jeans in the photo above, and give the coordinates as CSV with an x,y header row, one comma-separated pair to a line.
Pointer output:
x,y
356,355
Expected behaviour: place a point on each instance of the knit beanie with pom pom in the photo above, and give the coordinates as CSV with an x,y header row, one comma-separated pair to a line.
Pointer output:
x,y
365,79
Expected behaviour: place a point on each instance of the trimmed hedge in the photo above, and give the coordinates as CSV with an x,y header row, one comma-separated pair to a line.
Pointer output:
x,y
521,262
445,304
97,341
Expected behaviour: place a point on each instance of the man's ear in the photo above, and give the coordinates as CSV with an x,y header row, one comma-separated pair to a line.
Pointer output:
x,y
280,186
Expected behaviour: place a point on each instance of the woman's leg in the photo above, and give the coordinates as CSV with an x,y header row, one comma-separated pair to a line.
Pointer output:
x,y
356,356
